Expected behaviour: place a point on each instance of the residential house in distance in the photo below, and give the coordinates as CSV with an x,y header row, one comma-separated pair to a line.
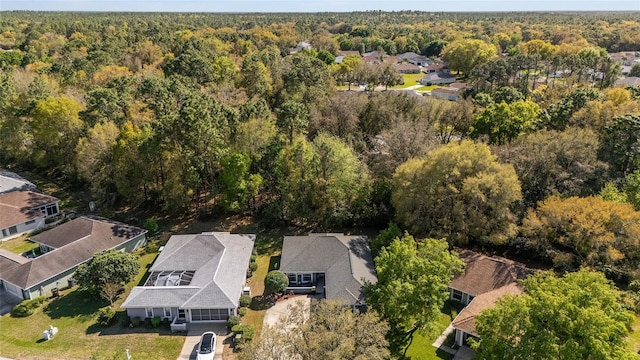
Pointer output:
x,y
437,78
435,67
336,265
484,281
196,278
301,46
628,81
453,92
63,249
22,211
406,68
11,182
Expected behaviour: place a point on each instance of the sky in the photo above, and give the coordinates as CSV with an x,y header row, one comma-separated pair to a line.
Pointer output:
x,y
318,5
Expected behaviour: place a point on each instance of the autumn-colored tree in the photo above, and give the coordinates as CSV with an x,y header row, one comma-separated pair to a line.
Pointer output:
x,y
464,55
588,231
458,191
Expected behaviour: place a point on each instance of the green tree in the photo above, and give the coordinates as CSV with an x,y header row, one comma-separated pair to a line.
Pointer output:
x,y
458,191
578,316
556,163
621,144
275,282
55,127
106,269
505,122
632,189
293,118
412,286
237,184
464,55
94,158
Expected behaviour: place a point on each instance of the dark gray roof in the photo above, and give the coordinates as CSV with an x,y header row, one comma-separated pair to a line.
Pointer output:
x,y
81,246
345,260
11,181
219,261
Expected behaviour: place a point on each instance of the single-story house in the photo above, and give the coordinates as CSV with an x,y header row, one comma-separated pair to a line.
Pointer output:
x,y
433,68
336,265
11,181
64,248
437,78
406,68
484,281
420,61
301,46
196,278
628,81
23,211
447,93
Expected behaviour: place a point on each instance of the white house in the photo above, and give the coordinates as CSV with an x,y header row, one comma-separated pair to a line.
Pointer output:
x,y
22,211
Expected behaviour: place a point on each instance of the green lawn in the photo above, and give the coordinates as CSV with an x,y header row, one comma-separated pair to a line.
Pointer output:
x,y
421,348
409,80
18,245
79,337
634,337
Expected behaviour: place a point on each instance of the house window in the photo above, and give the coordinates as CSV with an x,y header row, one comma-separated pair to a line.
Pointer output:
x,y
167,312
4,232
306,278
209,314
29,222
13,230
52,209
292,279
457,295
149,312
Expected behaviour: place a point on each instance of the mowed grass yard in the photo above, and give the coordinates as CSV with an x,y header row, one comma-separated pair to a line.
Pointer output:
x,y
421,348
74,313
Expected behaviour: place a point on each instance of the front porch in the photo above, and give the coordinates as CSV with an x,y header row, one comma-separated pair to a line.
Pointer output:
x,y
307,283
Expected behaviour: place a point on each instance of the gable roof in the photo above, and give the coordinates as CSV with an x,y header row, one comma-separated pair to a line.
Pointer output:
x,y
17,207
219,261
466,319
483,274
11,181
80,247
345,260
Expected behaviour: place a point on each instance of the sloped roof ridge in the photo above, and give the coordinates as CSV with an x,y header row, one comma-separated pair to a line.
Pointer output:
x,y
175,249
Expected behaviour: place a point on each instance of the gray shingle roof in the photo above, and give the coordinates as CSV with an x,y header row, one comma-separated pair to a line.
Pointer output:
x,y
220,261
80,247
11,181
345,260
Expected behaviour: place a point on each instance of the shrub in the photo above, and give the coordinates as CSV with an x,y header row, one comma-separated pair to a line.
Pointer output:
x,y
245,330
276,282
106,316
245,300
254,258
233,321
242,311
155,321
253,266
135,321
151,225
27,307
126,321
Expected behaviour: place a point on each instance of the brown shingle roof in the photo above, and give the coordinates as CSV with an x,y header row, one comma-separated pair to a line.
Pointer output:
x,y
105,234
483,274
466,319
17,207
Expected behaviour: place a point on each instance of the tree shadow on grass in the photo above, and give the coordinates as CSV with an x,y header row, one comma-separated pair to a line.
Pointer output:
x,y
78,303
274,262
120,327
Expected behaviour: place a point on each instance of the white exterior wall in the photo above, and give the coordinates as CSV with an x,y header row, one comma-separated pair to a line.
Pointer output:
x,y
22,228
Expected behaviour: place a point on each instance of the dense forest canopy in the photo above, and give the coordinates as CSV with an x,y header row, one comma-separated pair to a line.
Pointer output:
x,y
258,114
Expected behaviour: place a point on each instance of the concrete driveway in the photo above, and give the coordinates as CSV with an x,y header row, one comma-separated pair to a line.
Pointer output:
x,y
7,302
281,308
193,338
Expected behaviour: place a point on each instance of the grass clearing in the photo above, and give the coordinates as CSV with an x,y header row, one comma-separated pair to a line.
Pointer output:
x,y
421,348
18,245
409,80
634,337
74,314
